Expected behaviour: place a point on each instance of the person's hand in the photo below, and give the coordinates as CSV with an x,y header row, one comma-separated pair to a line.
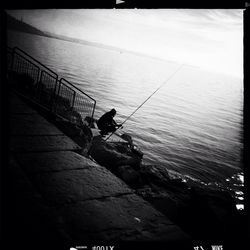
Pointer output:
x,y
119,125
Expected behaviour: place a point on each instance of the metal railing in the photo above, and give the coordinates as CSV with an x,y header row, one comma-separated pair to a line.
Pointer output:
x,y
42,85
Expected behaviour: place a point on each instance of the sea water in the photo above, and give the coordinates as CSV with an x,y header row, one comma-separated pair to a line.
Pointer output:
x,y
193,125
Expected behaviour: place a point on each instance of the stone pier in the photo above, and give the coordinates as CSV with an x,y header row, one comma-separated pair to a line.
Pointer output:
x,y
56,194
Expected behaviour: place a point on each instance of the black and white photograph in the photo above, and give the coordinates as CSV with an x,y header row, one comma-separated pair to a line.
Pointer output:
x,y
125,126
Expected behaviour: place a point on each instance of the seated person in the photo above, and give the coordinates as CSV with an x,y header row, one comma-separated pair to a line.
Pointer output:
x,y
107,124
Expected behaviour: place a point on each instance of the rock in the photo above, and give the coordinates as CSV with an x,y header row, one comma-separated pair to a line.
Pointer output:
x,y
156,174
201,211
74,117
108,155
82,135
90,121
127,138
74,130
215,209
129,175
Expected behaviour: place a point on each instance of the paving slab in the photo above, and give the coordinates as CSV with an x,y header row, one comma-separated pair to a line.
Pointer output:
x,y
17,106
32,124
41,162
28,216
42,143
127,217
78,185
59,193
21,180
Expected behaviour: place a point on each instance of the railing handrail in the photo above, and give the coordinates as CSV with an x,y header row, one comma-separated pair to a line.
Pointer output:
x,y
63,79
18,49
29,61
49,74
43,69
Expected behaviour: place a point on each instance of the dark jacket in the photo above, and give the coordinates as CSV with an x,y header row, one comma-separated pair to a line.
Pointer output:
x,y
106,120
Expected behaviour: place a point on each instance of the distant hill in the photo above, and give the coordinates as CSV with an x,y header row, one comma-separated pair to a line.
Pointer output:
x,y
19,25
85,42
14,24
100,45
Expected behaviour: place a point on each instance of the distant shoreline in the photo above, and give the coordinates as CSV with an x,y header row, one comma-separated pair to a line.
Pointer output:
x,y
93,44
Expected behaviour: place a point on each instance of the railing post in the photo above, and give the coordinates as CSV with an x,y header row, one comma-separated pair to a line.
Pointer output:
x,y
12,60
37,80
57,95
54,97
92,116
73,102
40,75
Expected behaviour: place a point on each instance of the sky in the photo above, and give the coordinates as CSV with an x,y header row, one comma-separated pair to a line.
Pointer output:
x,y
208,38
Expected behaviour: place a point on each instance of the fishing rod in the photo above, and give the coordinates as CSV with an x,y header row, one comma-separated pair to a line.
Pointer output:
x,y
171,76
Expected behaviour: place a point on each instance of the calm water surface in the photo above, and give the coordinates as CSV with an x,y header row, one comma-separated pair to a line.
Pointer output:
x,y
192,125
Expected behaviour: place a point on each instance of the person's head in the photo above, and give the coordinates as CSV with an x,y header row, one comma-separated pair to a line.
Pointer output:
x,y
113,112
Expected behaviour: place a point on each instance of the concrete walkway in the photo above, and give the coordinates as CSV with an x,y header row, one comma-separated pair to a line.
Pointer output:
x,y
57,194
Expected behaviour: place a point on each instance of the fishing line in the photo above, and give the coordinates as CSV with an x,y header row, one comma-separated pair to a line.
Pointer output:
x,y
171,76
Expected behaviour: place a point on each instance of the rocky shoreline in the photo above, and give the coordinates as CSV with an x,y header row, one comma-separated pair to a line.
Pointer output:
x,y
202,212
